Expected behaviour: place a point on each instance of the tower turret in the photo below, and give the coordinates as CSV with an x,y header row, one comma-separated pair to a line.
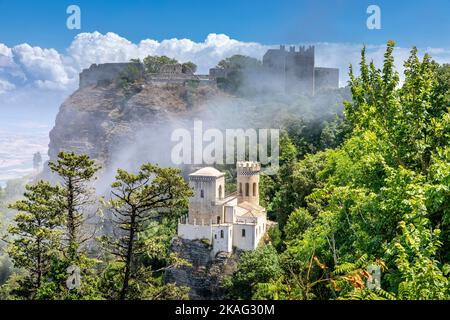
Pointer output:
x,y
248,181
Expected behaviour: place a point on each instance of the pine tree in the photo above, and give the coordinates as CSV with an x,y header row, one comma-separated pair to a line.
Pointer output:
x,y
150,194
75,171
35,234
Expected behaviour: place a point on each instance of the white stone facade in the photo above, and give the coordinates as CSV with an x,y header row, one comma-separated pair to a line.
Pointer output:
x,y
236,220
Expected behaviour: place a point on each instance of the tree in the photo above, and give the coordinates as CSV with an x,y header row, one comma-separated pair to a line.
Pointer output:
x,y
382,195
239,61
258,266
75,172
153,64
238,67
189,67
129,75
136,200
35,234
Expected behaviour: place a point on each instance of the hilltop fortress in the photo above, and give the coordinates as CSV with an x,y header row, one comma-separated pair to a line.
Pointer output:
x,y
292,71
295,71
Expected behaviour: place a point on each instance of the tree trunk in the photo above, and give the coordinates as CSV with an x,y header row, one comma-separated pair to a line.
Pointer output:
x,y
129,255
70,221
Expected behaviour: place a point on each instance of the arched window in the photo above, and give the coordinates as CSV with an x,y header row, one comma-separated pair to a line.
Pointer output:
x,y
254,189
240,189
221,233
202,194
247,191
218,220
220,192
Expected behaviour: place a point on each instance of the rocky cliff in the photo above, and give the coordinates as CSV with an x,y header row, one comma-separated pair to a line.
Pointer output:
x,y
106,121
206,274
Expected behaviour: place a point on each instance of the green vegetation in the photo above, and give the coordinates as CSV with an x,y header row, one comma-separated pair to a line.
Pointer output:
x,y
129,76
237,66
50,233
136,202
378,197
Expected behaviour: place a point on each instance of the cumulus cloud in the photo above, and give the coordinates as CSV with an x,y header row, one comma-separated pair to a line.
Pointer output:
x,y
48,68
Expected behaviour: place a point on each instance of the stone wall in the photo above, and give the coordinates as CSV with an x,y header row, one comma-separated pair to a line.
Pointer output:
x,y
326,78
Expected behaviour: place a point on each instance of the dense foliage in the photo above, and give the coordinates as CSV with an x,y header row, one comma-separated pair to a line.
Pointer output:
x,y
379,199
51,235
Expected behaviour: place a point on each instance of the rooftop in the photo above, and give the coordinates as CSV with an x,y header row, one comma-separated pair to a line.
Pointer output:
x,y
247,209
207,172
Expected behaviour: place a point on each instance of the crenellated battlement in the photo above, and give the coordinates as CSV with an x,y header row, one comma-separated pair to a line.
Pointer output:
x,y
248,166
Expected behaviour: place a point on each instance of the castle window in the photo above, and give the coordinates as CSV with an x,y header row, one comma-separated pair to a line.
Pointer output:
x,y
243,233
202,194
254,189
215,236
221,233
247,189
220,192
240,188
218,220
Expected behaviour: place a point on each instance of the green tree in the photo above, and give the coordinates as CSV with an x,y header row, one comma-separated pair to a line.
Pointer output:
x,y
153,64
239,61
129,75
35,234
138,199
75,172
258,266
189,67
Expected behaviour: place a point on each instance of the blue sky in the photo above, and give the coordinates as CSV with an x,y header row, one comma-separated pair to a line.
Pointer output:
x,y
422,23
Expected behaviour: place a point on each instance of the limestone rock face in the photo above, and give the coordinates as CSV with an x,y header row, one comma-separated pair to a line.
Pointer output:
x,y
205,276
100,119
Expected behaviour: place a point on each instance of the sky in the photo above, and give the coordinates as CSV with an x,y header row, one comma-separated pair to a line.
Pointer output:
x,y
40,58
413,22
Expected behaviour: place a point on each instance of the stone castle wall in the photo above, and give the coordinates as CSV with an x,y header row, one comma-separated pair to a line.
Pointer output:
x,y
326,78
104,73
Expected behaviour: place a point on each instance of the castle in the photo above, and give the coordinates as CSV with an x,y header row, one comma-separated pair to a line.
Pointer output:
x,y
295,71
282,70
227,221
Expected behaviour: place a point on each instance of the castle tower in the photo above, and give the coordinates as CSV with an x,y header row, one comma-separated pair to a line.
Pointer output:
x,y
208,185
248,181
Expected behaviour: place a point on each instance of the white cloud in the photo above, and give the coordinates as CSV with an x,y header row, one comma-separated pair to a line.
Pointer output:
x,y
47,68
6,86
42,67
